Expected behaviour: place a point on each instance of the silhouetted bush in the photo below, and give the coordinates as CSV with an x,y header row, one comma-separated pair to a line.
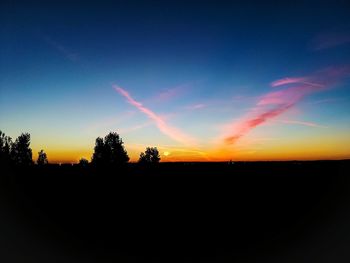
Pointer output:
x,y
109,151
83,162
42,158
150,156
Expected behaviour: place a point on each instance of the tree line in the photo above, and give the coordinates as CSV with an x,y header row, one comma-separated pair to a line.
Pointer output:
x,y
108,151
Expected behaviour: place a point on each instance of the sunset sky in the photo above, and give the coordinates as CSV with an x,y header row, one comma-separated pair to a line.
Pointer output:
x,y
201,80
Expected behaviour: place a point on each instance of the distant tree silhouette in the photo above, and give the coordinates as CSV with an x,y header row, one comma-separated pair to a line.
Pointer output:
x,y
42,158
83,162
150,156
21,153
5,148
115,149
99,155
109,151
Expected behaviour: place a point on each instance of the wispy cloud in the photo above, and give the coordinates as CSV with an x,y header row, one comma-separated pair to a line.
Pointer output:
x,y
195,106
293,80
282,97
163,126
110,122
134,128
276,103
62,49
286,81
251,122
329,100
330,40
305,123
166,95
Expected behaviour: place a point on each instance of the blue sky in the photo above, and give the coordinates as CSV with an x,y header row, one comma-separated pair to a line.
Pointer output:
x,y
202,66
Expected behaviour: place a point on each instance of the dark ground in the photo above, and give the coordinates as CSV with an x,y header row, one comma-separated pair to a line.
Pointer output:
x,y
245,212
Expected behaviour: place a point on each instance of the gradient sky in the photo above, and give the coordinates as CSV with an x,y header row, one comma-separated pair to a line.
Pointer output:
x,y
202,81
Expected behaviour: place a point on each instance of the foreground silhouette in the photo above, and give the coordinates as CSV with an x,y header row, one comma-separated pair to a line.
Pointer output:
x,y
108,152
169,212
220,212
16,153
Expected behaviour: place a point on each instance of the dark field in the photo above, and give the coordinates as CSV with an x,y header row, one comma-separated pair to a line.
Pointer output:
x,y
245,212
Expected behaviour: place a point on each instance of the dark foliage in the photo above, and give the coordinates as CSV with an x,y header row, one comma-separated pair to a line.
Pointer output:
x,y
21,153
115,149
83,162
5,148
99,155
194,212
150,156
109,151
42,158
276,212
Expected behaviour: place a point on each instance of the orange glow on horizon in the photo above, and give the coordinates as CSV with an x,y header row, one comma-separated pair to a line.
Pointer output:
x,y
253,147
277,152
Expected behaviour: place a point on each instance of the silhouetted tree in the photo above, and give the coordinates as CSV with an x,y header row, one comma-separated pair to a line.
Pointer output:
x,y
5,148
83,162
21,153
109,151
150,156
115,149
99,155
42,158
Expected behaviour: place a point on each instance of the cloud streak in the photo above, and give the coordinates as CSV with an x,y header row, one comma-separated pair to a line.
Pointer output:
x,y
161,124
252,122
273,104
330,40
195,106
305,123
134,128
286,81
110,122
63,50
168,94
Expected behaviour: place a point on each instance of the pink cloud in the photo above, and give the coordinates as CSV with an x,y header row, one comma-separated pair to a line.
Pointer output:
x,y
250,123
282,100
286,81
289,95
164,127
168,94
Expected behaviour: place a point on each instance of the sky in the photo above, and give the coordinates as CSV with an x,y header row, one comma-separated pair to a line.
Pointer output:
x,y
199,80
